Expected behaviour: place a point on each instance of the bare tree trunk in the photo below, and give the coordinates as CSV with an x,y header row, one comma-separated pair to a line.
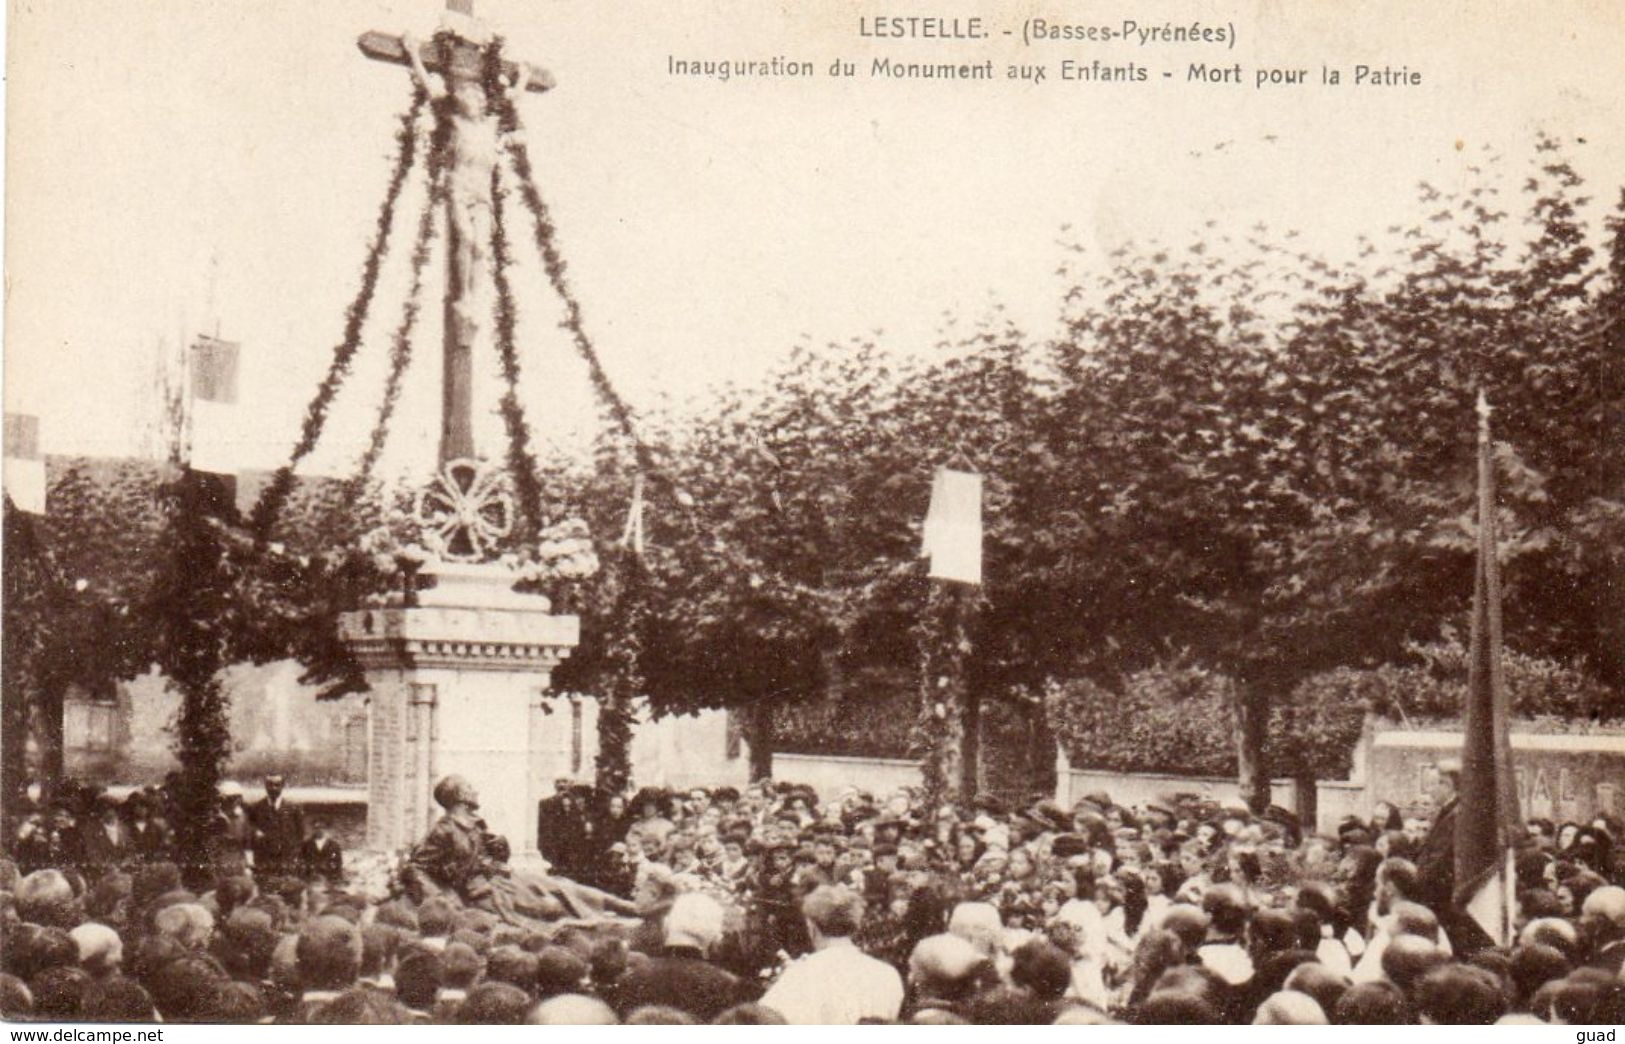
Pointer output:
x,y
13,749
1252,719
759,733
1306,802
51,741
971,785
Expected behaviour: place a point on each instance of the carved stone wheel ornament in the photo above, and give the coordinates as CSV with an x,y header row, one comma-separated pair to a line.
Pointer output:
x,y
465,511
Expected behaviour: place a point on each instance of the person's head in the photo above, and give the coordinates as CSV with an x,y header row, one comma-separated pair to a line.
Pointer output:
x,y
655,890
494,1004
329,954
1372,1004
246,942
15,1000
659,1015
1533,966
695,920
1041,969
832,912
273,787
362,1006
512,965
1445,780
1290,1008
1459,995
571,1009
1409,958
978,924
560,970
1554,932
1318,981
455,792
101,951
1396,881
437,918
1602,915
45,897
749,1015
460,966
59,993
117,999
1274,931
945,967
1226,907
417,980
189,924
1176,1008
181,988
1188,923
1415,919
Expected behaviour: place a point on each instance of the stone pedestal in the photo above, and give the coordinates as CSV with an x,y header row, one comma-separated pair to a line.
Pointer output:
x,y
459,672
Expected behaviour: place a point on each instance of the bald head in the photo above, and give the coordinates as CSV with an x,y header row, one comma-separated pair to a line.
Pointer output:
x,y
571,1009
944,966
101,951
1605,908
977,923
1290,1008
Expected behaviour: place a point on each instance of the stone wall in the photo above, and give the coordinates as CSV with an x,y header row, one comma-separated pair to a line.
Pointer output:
x,y
829,774
277,725
1560,776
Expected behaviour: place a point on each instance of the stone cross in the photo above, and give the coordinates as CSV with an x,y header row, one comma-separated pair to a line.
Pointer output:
x,y
456,57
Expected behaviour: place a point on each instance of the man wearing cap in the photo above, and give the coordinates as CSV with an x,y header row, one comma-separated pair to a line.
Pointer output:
x,y
104,843
229,845
279,830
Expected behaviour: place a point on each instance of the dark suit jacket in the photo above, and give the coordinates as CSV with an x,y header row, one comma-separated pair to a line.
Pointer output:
x,y
278,833
1436,862
680,978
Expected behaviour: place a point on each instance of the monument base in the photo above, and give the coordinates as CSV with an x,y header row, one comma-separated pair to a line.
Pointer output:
x,y
459,673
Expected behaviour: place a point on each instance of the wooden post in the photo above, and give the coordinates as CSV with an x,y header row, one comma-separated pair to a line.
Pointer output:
x,y
458,60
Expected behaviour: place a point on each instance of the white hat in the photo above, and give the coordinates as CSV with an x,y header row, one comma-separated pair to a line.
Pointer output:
x,y
230,789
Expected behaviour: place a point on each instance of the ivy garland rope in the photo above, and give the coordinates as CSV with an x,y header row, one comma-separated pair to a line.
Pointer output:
x,y
276,493
625,681
521,458
552,261
944,645
400,355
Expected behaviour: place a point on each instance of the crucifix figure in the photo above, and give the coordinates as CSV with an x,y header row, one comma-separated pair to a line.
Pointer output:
x,y
457,56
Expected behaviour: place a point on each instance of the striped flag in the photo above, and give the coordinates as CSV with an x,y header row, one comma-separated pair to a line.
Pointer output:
x,y
25,464
952,538
1487,806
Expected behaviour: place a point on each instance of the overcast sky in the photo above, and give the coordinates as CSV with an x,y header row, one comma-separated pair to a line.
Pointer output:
x,y
708,225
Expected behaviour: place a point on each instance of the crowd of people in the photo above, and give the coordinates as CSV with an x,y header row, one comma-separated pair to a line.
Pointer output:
x,y
774,904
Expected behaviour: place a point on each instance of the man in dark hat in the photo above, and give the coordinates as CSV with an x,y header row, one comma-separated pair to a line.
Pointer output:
x,y
104,843
279,831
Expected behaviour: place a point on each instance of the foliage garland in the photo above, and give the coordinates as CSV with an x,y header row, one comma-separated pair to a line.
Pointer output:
x,y
400,355
190,599
944,645
521,458
276,492
554,263
623,682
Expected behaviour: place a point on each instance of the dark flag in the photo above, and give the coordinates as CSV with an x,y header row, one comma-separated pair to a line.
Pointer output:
x,y
1487,809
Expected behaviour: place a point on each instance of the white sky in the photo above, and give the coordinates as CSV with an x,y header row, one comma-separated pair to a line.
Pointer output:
x,y
709,225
